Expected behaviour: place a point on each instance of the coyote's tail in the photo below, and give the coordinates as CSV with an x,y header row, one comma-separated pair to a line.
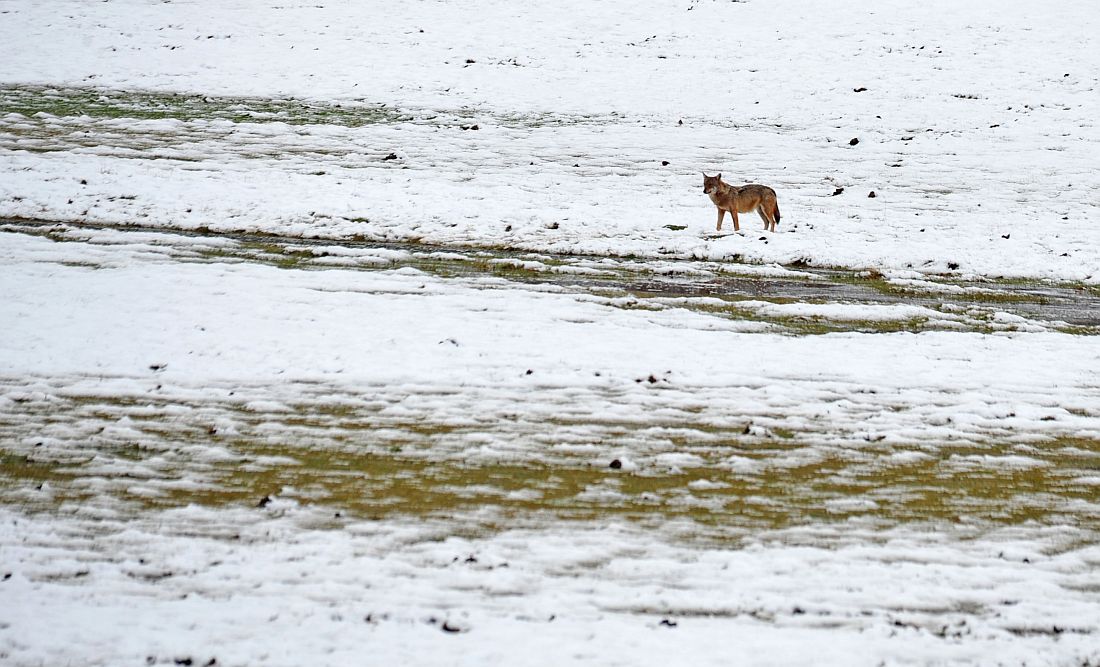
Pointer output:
x,y
775,212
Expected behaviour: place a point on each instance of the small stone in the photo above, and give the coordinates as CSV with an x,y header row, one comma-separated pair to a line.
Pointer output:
x,y
615,464
264,501
837,191
853,142
391,156
665,163
871,194
859,90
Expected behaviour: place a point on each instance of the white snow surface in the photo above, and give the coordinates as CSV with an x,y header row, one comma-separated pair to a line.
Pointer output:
x,y
280,589
976,130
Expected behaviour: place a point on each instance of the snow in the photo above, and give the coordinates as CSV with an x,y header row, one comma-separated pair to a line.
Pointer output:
x,y
976,129
294,447
382,593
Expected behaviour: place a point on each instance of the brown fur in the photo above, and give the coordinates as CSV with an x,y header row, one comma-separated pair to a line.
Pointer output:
x,y
751,197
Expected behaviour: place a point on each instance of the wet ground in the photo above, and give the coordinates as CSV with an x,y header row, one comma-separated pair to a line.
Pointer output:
x,y
725,289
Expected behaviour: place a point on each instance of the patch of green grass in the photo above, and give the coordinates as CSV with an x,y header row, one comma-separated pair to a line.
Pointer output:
x,y
151,105
21,466
32,480
642,287
802,325
875,281
108,103
355,459
551,120
380,484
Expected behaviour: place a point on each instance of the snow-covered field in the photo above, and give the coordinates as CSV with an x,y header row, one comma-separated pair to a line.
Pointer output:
x,y
504,412
977,129
258,464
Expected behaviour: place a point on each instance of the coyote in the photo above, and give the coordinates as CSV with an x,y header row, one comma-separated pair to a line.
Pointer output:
x,y
751,197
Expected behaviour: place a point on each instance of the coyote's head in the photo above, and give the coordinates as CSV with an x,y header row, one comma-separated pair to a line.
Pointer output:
x,y
711,183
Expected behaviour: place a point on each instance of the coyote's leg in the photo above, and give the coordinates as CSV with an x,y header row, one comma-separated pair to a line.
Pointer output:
x,y
722,214
733,214
763,215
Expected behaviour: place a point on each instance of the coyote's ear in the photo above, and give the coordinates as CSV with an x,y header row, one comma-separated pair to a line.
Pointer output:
x,y
719,175
705,175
